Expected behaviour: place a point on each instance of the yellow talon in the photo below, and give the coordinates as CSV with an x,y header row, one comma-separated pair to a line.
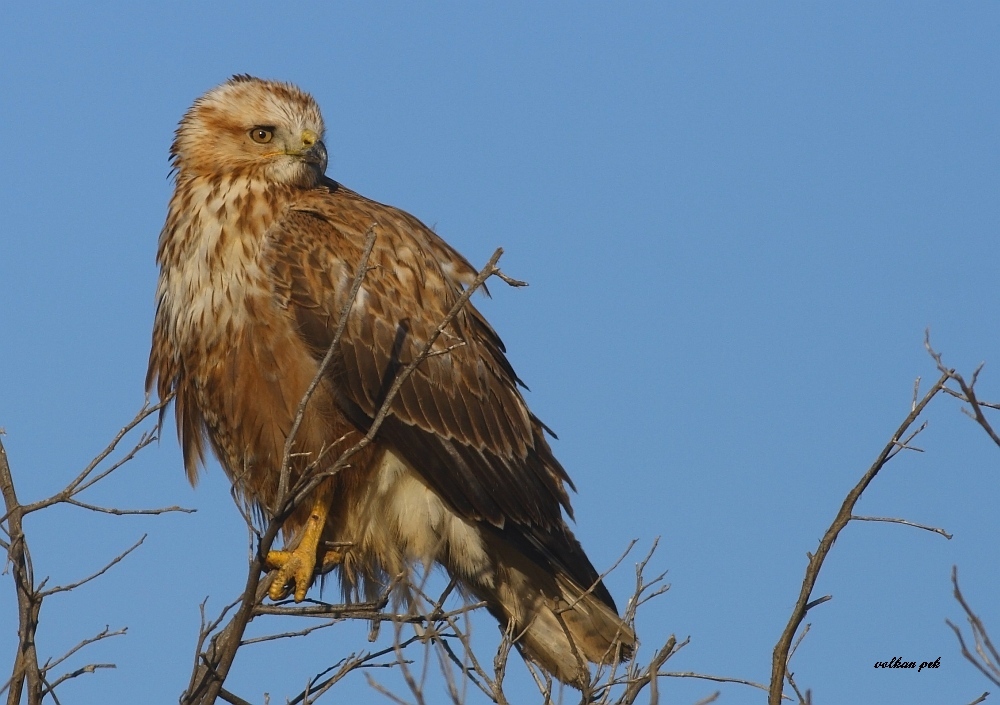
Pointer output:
x,y
295,568
331,559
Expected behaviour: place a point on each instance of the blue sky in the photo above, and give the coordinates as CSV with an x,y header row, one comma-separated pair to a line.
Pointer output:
x,y
737,221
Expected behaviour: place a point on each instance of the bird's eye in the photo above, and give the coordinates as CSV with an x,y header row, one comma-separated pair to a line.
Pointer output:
x,y
262,135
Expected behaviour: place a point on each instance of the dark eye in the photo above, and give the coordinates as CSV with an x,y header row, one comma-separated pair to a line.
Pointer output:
x,y
262,135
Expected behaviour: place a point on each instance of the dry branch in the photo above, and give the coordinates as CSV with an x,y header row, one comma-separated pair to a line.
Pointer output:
x,y
965,393
93,576
986,659
28,678
26,670
915,525
779,661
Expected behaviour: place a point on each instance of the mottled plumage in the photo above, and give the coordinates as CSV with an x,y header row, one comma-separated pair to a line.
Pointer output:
x,y
257,257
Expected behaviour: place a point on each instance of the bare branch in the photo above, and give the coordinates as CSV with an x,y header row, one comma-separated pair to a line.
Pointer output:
x,y
105,633
968,393
325,609
84,480
147,438
28,677
601,577
212,664
128,512
717,679
818,601
289,635
353,662
804,699
232,698
364,613
114,561
798,642
89,668
915,525
988,661
779,661
503,277
411,683
905,443
379,688
28,602
652,674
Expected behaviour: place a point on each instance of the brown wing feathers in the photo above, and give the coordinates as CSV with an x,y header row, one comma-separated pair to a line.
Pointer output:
x,y
459,415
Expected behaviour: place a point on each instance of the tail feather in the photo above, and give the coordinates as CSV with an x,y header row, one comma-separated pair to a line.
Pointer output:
x,y
558,624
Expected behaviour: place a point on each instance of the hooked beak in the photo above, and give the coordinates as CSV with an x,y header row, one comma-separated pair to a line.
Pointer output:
x,y
312,151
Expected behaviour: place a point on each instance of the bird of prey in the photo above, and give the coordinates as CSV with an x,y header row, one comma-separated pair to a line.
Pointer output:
x,y
257,258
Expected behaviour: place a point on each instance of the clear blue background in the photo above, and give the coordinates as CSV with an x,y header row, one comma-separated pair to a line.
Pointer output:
x,y
737,220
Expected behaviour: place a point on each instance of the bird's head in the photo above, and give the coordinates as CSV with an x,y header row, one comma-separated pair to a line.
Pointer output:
x,y
262,129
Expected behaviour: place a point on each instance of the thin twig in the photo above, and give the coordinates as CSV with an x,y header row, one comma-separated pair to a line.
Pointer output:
x,y
348,612
651,675
317,687
798,642
114,561
818,601
988,662
804,698
893,520
129,512
968,394
232,698
105,633
289,635
600,578
89,668
30,595
717,679
83,480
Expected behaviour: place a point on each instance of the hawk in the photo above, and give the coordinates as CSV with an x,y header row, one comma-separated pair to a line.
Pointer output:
x,y
257,258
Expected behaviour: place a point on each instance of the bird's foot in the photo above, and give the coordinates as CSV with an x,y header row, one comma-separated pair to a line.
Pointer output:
x,y
297,568
332,557
294,571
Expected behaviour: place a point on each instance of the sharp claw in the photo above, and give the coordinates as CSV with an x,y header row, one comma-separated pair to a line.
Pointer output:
x,y
293,568
278,592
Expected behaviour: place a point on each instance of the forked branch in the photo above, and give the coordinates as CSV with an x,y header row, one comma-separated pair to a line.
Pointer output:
x,y
964,391
986,659
28,677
